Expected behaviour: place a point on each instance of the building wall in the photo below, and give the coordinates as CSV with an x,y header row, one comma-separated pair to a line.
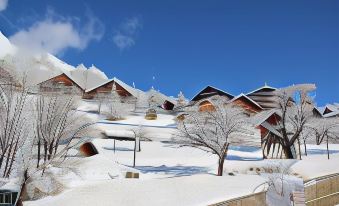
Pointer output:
x,y
247,105
53,84
107,88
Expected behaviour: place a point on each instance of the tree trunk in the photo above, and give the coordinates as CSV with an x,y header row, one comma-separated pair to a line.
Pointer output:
x,y
39,145
328,151
135,151
288,152
299,148
305,148
221,166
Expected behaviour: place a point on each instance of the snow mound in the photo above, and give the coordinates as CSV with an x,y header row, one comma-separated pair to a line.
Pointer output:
x,y
6,47
179,191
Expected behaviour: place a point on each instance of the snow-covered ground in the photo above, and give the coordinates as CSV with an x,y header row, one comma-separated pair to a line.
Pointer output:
x,y
169,174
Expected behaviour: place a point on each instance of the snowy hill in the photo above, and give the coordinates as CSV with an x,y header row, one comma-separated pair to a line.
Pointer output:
x,y
41,67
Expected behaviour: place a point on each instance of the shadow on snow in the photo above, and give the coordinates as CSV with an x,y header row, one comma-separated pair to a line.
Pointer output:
x,y
176,171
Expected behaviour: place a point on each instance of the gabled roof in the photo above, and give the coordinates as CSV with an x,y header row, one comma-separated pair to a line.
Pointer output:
x,y
67,75
246,97
332,114
262,88
319,110
99,85
129,89
217,91
261,117
331,108
162,96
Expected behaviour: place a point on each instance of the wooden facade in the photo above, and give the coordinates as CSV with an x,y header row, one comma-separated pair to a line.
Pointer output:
x,y
54,84
265,96
206,106
106,88
247,104
210,91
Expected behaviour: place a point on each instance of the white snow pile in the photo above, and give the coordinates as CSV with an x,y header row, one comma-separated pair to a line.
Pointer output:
x,y
195,190
6,47
40,67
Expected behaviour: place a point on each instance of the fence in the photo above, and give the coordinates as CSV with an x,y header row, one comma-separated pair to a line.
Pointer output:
x,y
322,191
256,199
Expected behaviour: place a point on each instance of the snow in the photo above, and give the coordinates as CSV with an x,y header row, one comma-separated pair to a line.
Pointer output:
x,y
316,163
196,190
170,174
6,47
119,133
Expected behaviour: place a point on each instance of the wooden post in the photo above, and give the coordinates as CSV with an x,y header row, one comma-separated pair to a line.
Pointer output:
x,y
135,149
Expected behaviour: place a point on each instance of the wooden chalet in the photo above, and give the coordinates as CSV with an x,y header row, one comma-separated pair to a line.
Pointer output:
x,y
265,96
59,82
246,103
123,89
210,91
203,98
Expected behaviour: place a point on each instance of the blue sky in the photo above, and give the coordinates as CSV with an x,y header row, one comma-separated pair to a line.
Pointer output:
x,y
186,45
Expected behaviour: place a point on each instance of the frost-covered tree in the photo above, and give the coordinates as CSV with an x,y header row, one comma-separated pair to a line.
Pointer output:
x,y
320,130
55,122
152,99
294,116
213,131
116,107
15,124
181,99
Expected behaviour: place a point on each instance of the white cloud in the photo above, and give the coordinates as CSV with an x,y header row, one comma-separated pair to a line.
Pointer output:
x,y
122,41
125,37
3,4
55,34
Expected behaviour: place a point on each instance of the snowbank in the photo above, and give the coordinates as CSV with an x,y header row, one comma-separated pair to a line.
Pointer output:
x,y
195,190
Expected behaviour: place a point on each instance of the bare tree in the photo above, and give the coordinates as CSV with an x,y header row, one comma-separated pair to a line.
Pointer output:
x,y
212,131
14,123
139,133
55,122
321,130
294,116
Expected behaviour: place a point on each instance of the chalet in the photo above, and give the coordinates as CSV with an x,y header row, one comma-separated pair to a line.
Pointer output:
x,y
266,122
64,80
205,96
123,89
246,103
329,108
163,101
210,91
265,96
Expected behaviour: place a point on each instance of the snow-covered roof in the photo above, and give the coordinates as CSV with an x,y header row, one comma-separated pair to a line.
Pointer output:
x,y
332,114
243,95
119,133
99,85
209,86
261,88
131,90
331,107
134,92
262,116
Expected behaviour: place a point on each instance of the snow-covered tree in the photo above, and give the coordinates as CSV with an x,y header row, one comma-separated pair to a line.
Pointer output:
x,y
181,99
294,116
117,108
212,131
320,130
152,99
55,122
15,124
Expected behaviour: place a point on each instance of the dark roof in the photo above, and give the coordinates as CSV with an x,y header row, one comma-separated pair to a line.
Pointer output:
x,y
210,91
